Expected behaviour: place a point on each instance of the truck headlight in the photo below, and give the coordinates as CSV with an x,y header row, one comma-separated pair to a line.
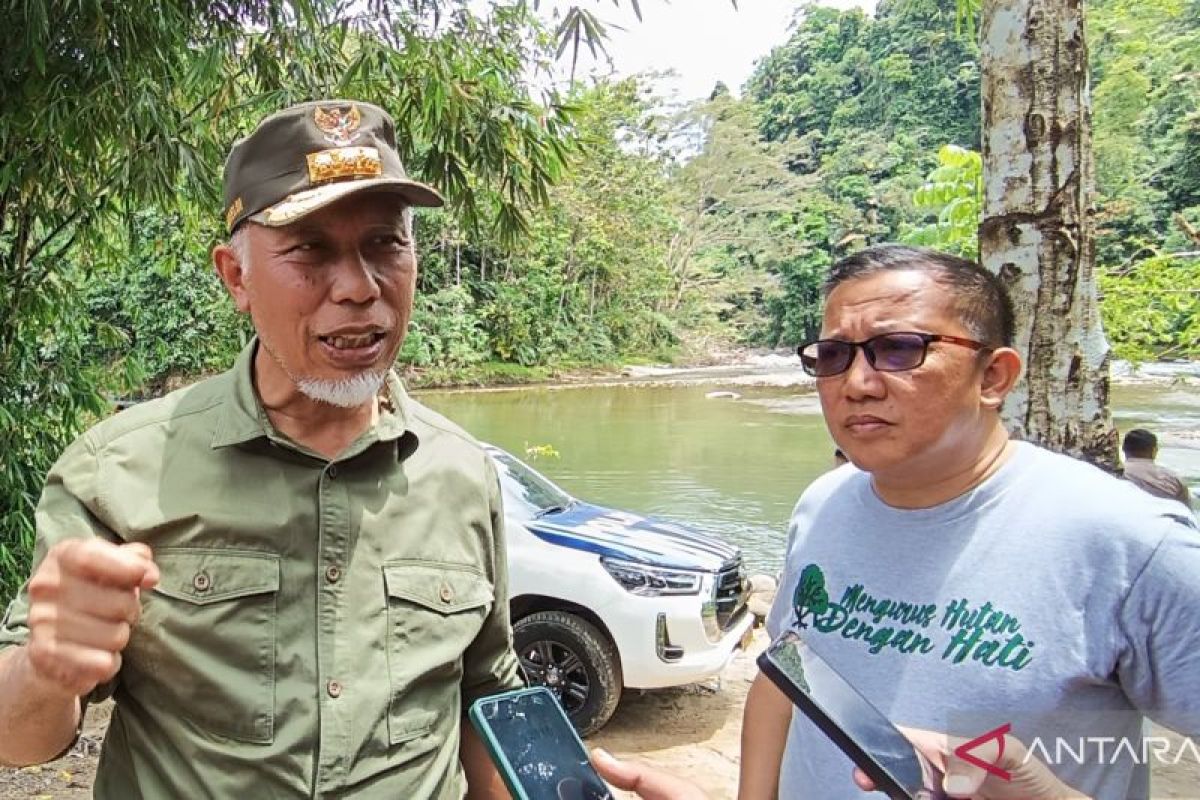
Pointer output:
x,y
647,581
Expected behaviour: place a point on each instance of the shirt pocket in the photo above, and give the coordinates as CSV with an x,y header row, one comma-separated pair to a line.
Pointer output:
x,y
204,648
434,612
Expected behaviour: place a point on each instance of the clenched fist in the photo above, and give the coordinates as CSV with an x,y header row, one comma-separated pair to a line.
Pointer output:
x,y
83,604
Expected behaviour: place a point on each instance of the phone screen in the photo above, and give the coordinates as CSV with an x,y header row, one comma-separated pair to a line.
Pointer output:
x,y
536,748
843,714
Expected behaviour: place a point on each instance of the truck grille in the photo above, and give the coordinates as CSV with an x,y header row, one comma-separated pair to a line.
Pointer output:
x,y
729,594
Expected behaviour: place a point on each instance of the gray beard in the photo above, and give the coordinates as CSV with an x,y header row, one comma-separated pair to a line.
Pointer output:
x,y
349,392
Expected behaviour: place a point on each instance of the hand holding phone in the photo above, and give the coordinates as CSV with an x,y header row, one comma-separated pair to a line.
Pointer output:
x,y
860,730
537,752
648,782
1029,778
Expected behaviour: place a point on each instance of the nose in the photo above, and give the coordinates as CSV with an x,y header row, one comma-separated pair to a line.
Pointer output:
x,y
354,280
861,380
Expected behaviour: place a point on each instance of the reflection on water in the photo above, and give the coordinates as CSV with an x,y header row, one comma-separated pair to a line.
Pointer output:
x,y
734,467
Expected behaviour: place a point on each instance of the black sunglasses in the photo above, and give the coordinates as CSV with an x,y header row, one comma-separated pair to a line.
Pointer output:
x,y
887,352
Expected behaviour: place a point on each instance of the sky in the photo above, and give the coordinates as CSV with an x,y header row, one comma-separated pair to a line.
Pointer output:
x,y
705,41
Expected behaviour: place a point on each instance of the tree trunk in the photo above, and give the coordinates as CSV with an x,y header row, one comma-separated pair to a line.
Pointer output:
x,y
1037,233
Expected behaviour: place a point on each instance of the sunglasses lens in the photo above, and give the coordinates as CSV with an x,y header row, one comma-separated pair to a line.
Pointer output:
x,y
824,358
896,352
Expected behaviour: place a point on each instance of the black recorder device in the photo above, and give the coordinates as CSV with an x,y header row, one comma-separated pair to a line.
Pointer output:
x,y
848,719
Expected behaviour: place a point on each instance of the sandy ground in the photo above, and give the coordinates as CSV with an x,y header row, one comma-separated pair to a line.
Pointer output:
x,y
691,730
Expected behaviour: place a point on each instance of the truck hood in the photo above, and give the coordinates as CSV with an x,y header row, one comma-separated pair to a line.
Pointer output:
x,y
631,537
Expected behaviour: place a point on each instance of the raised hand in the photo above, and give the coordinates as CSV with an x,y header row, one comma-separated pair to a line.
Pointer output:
x,y
83,604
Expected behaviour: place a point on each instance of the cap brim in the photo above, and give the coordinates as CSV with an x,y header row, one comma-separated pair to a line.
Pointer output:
x,y
301,204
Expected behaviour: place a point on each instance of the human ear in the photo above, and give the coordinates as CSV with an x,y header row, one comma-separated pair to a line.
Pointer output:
x,y
232,273
1000,373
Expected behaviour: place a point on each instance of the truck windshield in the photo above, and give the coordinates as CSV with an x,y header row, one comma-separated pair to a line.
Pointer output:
x,y
527,494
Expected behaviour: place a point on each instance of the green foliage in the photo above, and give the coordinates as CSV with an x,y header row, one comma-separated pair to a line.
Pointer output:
x,y
585,284
733,202
1146,74
1152,309
795,307
954,193
1150,306
844,83
444,330
859,103
842,73
162,296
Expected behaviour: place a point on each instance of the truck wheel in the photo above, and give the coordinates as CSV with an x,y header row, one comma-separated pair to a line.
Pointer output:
x,y
573,659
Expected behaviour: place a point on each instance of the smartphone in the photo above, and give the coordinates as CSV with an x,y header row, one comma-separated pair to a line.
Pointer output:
x,y
849,720
534,747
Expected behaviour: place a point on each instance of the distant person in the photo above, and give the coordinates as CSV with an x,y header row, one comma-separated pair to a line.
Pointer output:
x,y
1141,448
839,459
962,581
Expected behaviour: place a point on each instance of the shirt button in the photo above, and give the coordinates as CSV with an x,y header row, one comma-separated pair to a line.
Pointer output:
x,y
332,472
333,574
446,593
334,688
201,582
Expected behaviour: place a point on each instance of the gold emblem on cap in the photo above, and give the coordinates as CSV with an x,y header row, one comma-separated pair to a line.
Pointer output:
x,y
338,124
235,208
344,162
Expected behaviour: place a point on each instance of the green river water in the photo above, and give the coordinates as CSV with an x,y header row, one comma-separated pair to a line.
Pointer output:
x,y
731,466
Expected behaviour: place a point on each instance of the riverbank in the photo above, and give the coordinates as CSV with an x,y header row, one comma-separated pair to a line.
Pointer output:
x,y
723,367
694,731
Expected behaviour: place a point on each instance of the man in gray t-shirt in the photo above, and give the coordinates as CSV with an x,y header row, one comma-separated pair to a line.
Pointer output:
x,y
1050,597
966,584
963,582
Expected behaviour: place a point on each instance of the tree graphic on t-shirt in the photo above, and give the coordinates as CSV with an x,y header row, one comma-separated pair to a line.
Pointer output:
x,y
810,596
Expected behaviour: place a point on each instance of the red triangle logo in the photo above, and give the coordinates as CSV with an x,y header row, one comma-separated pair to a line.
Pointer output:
x,y
963,751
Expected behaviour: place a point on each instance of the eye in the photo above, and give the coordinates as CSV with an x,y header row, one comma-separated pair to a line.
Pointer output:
x,y
391,241
898,351
897,344
303,248
830,351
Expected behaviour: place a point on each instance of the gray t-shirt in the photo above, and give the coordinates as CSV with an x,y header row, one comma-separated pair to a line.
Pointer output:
x,y
1052,597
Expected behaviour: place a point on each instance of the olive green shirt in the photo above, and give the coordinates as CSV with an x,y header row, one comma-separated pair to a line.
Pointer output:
x,y
320,626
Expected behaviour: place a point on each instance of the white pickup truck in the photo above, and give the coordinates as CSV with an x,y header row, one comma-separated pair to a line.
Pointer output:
x,y
604,600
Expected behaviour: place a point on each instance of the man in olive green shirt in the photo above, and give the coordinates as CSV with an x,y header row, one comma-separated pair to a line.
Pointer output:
x,y
291,577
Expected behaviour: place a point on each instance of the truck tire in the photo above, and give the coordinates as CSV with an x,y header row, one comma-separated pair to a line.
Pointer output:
x,y
571,658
